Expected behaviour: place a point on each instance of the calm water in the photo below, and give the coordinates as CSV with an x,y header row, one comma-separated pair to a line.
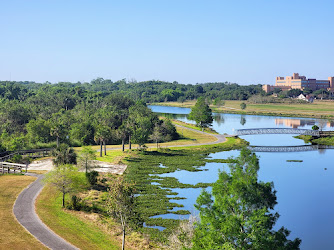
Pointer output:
x,y
304,189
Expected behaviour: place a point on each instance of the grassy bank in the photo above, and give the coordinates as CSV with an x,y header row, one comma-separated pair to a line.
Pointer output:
x,y
192,126
318,109
320,141
12,234
77,228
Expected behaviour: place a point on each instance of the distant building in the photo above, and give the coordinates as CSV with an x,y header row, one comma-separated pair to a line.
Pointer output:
x,y
300,82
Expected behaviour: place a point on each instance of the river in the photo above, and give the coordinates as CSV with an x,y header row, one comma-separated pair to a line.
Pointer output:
x,y
304,189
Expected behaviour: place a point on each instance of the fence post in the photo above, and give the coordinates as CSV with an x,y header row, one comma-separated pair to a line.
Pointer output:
x,y
27,168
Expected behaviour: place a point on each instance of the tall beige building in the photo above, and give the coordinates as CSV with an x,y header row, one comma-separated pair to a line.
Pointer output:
x,y
300,82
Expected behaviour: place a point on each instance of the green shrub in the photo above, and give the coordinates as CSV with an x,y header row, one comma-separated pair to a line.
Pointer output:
x,y
92,177
75,203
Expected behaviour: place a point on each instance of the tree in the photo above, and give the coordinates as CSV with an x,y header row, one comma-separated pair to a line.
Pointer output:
x,y
315,127
66,179
156,135
238,213
87,154
120,203
122,133
219,102
243,105
294,92
64,155
101,135
322,124
201,114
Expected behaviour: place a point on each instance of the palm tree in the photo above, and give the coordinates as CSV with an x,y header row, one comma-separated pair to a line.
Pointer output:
x,y
64,155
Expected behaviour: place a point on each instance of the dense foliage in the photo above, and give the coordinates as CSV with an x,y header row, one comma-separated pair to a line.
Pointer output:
x,y
43,115
238,214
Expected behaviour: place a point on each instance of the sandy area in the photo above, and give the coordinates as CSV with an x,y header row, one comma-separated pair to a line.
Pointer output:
x,y
99,166
45,164
107,167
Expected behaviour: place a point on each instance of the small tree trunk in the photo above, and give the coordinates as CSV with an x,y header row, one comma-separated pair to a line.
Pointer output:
x,y
105,148
123,144
129,141
57,141
86,165
123,240
63,199
101,148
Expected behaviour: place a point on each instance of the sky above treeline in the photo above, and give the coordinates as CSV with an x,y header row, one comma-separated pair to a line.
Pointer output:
x,y
189,41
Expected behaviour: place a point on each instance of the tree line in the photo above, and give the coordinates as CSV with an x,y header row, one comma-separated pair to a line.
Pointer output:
x,y
44,115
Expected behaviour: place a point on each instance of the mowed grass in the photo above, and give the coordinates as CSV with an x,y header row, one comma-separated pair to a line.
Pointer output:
x,y
316,109
12,234
192,126
188,137
82,233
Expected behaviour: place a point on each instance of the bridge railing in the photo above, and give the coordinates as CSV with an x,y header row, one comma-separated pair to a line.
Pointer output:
x,y
300,148
258,131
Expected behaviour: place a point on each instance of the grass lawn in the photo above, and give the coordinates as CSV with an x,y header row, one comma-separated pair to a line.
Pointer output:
x,y
115,155
192,126
316,109
12,234
82,233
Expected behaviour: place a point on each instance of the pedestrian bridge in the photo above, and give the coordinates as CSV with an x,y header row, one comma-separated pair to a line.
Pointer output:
x,y
260,131
300,148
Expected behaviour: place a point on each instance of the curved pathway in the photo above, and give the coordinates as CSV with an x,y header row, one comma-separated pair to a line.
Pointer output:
x,y
220,138
24,211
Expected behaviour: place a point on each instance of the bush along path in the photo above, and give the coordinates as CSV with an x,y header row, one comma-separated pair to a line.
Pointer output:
x,y
24,211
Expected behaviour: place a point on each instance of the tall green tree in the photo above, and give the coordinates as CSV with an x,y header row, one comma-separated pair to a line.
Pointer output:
x,y
67,179
101,135
201,114
238,213
156,135
86,155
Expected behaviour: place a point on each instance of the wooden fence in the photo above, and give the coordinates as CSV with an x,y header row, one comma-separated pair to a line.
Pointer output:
x,y
5,156
8,167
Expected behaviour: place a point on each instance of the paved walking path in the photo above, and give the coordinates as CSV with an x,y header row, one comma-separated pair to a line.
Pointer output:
x,y
220,138
24,211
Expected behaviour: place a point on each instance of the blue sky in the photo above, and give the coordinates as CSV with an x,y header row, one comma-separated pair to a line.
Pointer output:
x,y
246,42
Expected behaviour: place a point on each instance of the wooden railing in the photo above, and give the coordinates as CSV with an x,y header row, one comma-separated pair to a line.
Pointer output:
x,y
5,156
8,167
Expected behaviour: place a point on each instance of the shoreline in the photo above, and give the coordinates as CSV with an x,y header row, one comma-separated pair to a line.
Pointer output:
x,y
245,112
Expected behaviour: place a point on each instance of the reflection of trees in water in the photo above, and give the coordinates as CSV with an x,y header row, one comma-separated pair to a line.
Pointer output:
x,y
172,116
242,120
219,119
322,151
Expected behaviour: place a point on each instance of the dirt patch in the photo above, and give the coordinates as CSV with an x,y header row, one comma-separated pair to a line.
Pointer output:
x,y
99,166
106,167
45,164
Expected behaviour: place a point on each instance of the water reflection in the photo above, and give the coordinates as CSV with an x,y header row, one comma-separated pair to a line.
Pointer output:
x,y
219,119
296,123
242,120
